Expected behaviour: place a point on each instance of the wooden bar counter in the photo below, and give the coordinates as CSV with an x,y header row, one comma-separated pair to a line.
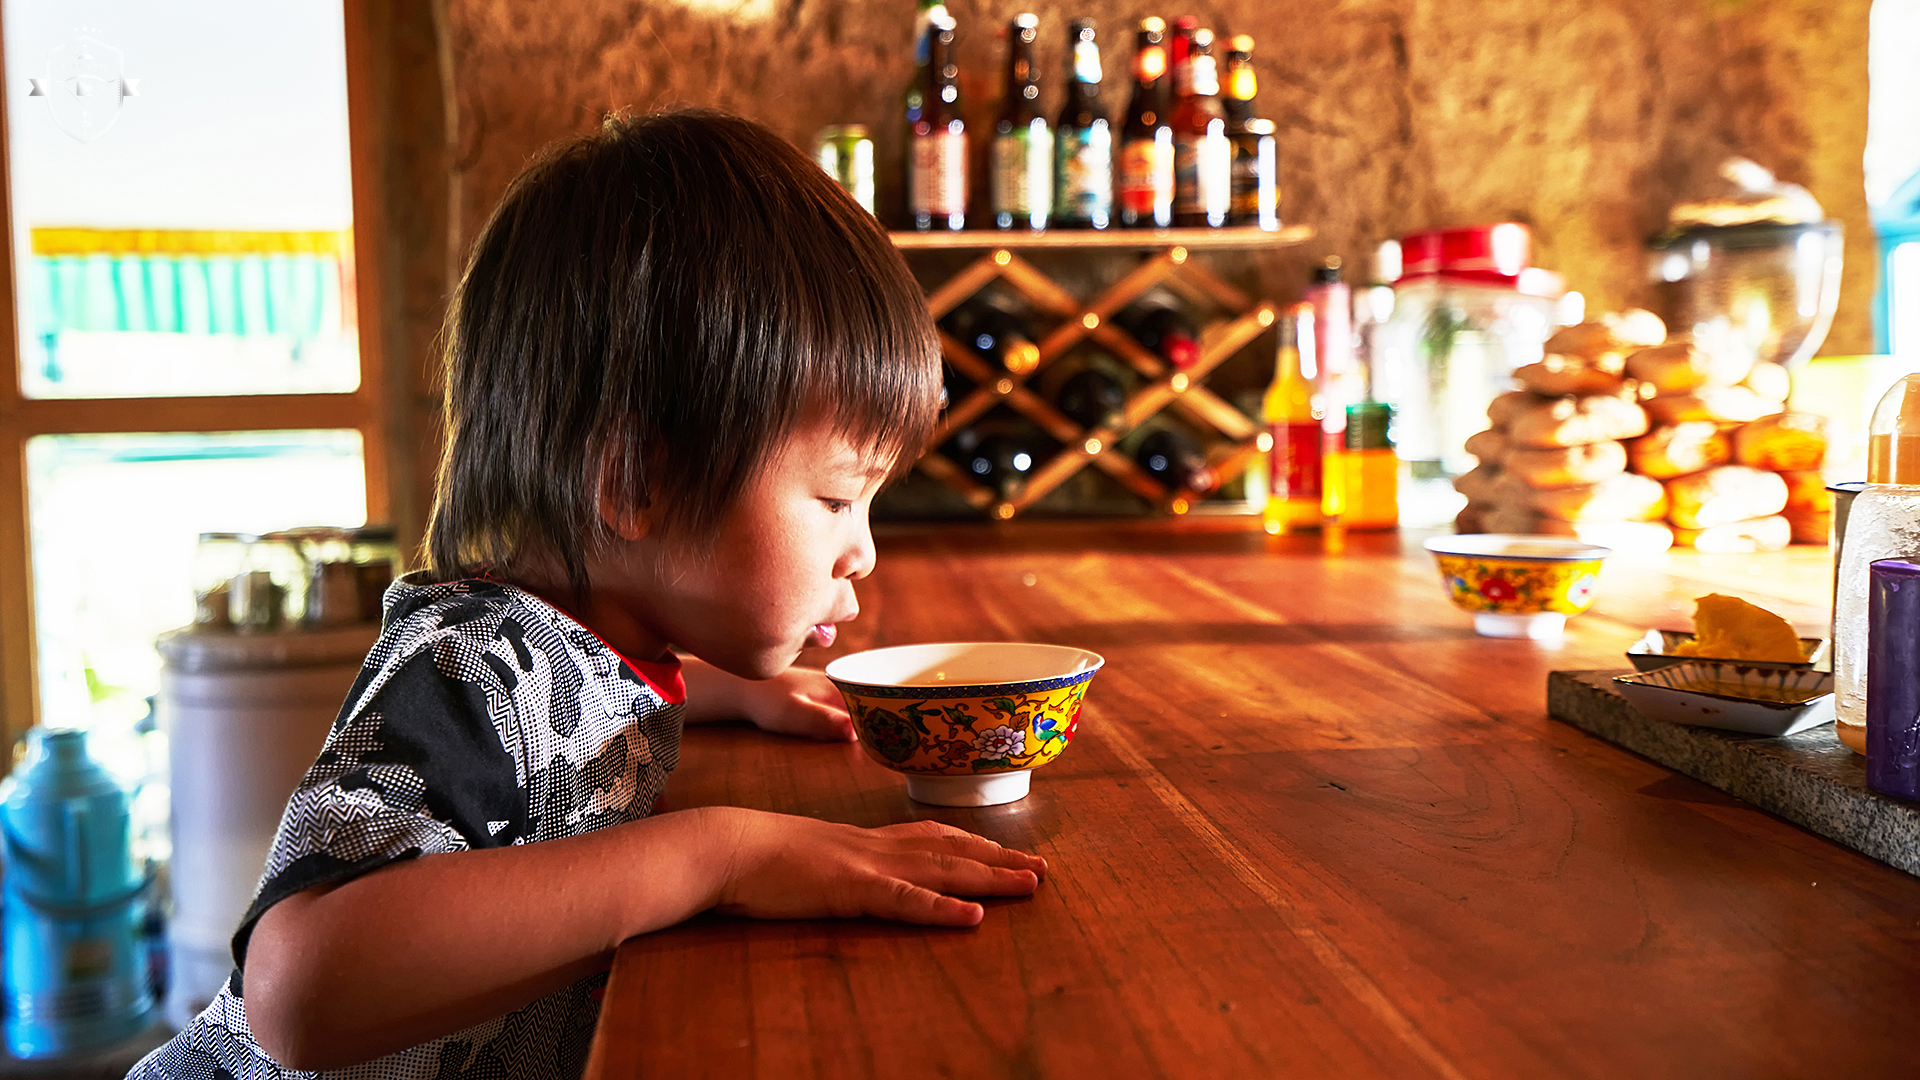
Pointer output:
x,y
1310,826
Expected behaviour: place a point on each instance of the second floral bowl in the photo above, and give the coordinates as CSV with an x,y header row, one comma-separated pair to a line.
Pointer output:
x,y
966,722
1518,586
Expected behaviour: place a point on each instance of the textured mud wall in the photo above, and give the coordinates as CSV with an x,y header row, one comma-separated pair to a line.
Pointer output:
x,y
1586,119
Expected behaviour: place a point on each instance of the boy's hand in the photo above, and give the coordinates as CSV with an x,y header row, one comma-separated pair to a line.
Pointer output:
x,y
798,701
785,867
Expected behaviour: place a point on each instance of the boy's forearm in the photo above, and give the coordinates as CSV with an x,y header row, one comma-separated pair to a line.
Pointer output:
x,y
424,948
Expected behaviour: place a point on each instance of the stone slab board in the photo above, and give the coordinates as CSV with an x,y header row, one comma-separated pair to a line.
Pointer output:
x,y
1809,779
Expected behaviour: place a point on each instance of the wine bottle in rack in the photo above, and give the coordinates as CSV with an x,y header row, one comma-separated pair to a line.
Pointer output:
x,y
1087,390
1000,335
1087,387
1164,330
1000,452
1176,461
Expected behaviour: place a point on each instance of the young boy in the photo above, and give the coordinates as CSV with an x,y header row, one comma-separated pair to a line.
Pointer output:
x,y
680,364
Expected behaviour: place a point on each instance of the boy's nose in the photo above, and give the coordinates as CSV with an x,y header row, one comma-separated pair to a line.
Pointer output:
x,y
857,561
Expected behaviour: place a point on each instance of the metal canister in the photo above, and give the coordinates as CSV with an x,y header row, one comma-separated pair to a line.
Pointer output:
x,y
846,152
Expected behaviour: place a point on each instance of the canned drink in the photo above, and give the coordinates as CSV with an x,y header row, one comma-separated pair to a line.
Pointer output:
x,y
846,153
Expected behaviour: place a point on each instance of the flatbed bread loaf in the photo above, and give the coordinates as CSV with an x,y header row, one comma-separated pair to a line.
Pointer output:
x,y
1724,495
1625,497
1490,446
1575,421
1678,449
1782,442
1729,404
1772,533
1566,466
1560,374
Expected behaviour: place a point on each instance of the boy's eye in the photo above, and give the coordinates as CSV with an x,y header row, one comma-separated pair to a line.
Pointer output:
x,y
837,506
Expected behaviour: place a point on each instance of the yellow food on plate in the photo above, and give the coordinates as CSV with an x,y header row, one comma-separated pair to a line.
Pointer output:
x,y
1729,628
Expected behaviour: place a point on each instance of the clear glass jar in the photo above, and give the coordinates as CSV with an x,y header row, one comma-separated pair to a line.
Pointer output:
x,y
269,590
1448,349
333,585
216,559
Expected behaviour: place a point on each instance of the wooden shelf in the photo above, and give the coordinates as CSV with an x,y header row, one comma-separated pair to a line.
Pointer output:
x,y
1243,238
1236,439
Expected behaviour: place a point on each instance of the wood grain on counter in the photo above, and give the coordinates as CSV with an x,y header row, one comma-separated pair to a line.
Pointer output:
x,y
1311,826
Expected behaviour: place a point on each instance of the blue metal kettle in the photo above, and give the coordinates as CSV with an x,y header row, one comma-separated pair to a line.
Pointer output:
x,y
75,966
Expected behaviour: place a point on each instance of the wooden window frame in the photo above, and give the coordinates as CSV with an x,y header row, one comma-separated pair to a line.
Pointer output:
x,y
21,418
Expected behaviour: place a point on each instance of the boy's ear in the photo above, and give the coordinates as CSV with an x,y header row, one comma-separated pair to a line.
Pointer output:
x,y
627,522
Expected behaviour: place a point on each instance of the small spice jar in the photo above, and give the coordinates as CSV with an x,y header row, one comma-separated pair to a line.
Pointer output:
x,y
269,589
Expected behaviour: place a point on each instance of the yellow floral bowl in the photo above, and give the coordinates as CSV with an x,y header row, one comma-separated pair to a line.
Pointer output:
x,y
1518,586
967,722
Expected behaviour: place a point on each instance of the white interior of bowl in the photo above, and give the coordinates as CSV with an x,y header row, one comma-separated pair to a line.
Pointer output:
x,y
965,663
1516,546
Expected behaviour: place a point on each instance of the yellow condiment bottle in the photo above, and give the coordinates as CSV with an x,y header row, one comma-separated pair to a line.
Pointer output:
x,y
1369,469
1293,461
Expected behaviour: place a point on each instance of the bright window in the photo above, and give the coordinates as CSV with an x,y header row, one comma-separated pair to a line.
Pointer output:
x,y
186,299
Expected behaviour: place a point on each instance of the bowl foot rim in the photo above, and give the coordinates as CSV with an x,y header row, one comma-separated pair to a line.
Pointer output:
x,y
1539,626
982,789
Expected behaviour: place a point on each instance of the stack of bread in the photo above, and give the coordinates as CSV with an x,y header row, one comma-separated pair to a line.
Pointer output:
x,y
1554,460
1618,428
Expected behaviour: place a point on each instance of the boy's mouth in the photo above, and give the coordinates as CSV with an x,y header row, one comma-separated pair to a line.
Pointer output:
x,y
821,636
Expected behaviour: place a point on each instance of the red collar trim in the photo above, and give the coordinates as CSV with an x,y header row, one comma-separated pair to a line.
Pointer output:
x,y
663,677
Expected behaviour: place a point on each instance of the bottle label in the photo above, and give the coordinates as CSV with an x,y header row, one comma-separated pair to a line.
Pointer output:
x,y
1146,176
1203,174
1023,174
1085,174
1295,461
940,173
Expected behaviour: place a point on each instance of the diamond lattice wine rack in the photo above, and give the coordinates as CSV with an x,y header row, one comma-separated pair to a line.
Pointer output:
x,y
1234,439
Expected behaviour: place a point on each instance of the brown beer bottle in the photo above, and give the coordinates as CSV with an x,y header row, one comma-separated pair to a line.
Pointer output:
x,y
1202,156
1021,172
1255,185
937,140
1144,190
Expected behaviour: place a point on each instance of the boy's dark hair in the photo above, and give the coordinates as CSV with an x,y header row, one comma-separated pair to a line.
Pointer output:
x,y
655,308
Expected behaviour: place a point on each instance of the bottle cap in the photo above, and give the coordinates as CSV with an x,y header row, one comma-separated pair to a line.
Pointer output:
x,y
1328,273
1893,437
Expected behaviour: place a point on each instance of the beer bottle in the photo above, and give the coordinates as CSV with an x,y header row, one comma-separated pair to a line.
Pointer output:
x,y
1144,190
1255,186
1202,156
1022,163
1083,143
937,139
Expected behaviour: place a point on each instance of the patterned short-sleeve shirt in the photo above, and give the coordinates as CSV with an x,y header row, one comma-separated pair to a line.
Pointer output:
x,y
484,717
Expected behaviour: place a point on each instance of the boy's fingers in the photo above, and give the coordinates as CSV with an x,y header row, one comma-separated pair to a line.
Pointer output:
x,y
959,876
970,846
903,901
